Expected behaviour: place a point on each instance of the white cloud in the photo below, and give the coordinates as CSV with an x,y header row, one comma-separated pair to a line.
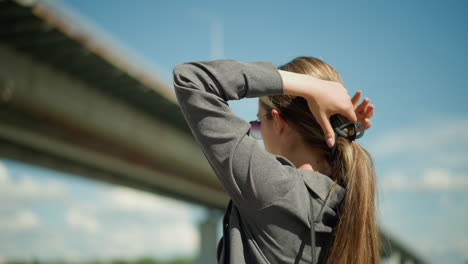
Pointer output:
x,y
129,200
163,240
152,224
452,159
462,247
20,220
422,138
134,239
109,219
27,188
4,177
141,222
431,179
80,220
426,157
433,247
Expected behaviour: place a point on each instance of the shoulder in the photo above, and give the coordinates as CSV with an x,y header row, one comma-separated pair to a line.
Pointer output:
x,y
323,187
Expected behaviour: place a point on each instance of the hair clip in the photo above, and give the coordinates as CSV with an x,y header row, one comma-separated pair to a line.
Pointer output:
x,y
339,133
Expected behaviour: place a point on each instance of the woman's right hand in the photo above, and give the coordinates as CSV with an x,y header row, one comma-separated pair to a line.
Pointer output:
x,y
326,99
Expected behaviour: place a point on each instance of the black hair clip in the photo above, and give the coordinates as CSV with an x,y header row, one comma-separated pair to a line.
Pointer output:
x,y
339,133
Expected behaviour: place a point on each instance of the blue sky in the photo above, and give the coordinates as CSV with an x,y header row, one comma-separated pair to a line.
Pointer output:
x,y
408,57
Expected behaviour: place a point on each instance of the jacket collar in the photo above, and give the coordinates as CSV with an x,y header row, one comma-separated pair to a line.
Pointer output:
x,y
322,185
319,183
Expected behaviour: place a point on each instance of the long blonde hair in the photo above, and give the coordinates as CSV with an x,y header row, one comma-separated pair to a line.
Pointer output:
x,y
355,237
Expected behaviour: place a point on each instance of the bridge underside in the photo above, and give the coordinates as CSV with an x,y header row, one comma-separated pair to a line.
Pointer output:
x,y
73,104
50,119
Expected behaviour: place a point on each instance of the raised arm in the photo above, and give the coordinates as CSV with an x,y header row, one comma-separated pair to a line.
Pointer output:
x,y
253,177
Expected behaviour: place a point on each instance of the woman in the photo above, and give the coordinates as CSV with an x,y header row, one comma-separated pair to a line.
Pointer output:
x,y
268,219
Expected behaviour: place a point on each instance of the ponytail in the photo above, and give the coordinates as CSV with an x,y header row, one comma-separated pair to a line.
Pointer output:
x,y
355,237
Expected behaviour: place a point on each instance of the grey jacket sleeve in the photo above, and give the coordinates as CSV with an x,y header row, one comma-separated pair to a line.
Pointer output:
x,y
253,177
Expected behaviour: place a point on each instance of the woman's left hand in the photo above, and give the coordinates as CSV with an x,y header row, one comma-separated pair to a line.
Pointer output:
x,y
364,111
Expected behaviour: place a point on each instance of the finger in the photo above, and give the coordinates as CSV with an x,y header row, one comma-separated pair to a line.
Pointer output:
x,y
362,106
369,111
356,97
364,110
324,123
368,123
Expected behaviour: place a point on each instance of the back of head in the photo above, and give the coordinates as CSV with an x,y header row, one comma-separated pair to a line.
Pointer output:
x,y
355,239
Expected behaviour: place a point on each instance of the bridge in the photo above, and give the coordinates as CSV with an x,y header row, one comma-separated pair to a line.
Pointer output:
x,y
78,103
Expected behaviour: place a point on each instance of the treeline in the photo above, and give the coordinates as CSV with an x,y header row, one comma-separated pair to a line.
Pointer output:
x,y
143,260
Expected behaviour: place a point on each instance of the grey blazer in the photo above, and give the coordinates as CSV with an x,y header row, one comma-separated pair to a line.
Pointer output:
x,y
267,219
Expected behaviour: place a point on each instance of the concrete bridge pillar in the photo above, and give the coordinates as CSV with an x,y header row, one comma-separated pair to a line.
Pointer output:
x,y
209,237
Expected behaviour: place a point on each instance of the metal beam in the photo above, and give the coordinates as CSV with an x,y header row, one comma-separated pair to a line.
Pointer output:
x,y
59,116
